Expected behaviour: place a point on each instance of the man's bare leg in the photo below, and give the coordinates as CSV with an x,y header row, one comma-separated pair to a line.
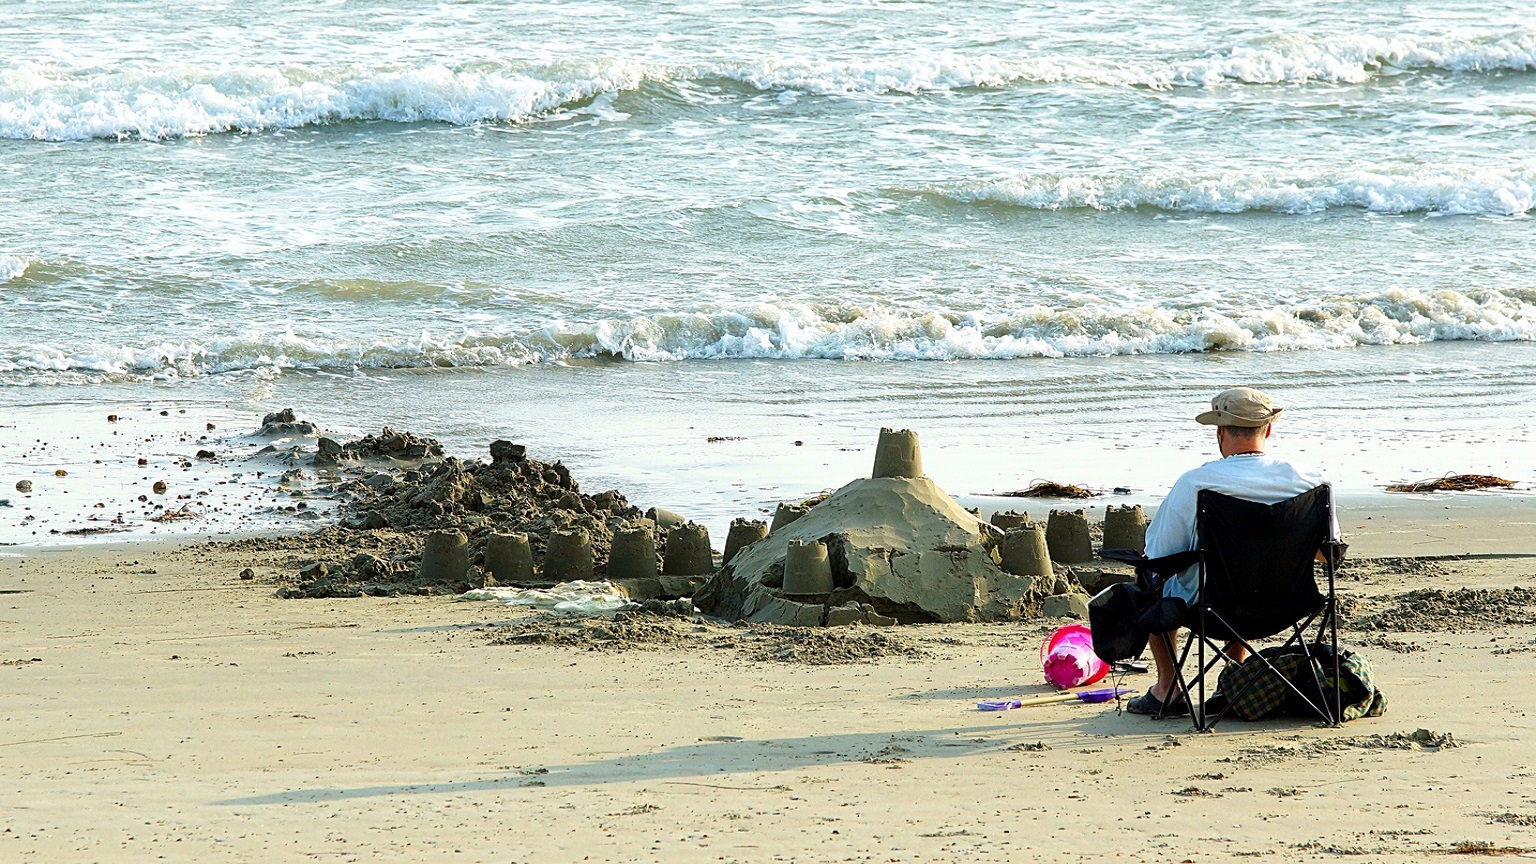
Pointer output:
x,y
1159,643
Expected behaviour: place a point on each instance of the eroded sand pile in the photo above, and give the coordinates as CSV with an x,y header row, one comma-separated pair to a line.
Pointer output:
x,y
650,631
894,548
1431,610
899,548
389,511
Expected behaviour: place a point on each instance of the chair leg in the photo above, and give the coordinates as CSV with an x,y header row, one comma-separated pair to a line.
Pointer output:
x,y
1328,625
1176,656
1189,685
1333,627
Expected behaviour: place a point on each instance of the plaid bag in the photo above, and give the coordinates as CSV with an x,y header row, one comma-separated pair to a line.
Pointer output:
x,y
1254,692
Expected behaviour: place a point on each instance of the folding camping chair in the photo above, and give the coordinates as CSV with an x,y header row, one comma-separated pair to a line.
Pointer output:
x,y
1256,580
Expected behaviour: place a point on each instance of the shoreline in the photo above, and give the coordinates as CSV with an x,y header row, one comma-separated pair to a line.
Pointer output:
x,y
246,491
715,441
1383,525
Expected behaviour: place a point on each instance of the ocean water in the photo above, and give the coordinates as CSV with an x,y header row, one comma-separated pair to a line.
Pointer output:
x,y
1042,233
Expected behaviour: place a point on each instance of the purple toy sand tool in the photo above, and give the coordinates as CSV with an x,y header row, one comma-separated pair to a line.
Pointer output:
x,y
1101,695
999,705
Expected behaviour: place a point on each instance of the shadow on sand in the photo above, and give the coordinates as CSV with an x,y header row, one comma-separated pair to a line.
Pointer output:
x,y
716,762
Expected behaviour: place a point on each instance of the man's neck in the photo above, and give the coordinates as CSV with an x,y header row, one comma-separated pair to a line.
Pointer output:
x,y
1245,445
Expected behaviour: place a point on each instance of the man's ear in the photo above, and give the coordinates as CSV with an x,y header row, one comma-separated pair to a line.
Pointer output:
x,y
1269,430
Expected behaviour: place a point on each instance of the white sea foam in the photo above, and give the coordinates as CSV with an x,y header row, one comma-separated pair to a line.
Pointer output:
x,y
793,332
64,103
13,267
170,102
1451,192
1354,59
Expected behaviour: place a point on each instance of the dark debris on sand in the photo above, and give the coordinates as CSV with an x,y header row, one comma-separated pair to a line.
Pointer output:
x,y
1049,489
1454,483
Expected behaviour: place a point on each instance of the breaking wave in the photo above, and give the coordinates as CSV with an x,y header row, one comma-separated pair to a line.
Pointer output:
x,y
58,103
794,332
1467,192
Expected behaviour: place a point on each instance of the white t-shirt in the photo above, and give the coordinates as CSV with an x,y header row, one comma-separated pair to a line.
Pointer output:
x,y
1253,477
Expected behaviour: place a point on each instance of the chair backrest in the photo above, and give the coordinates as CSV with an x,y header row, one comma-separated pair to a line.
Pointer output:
x,y
1258,558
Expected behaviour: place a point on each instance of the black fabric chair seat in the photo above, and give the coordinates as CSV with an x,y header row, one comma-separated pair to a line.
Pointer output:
x,y
1257,579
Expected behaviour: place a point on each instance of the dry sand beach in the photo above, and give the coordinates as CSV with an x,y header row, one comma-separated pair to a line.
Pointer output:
x,y
160,705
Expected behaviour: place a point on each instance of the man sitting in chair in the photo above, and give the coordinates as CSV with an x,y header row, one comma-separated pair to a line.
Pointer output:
x,y
1242,417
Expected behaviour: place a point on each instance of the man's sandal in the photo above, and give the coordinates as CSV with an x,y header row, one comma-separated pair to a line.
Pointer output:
x,y
1148,704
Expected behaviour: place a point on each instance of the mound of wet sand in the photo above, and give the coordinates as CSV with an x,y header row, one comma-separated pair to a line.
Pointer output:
x,y
397,487
668,630
1288,747
623,632
825,647
899,549
1434,610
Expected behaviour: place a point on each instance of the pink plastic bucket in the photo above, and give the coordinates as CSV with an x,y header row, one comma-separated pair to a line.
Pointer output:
x,y
1068,659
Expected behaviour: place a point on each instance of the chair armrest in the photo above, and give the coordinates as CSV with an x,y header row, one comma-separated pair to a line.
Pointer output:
x,y
1332,552
1167,565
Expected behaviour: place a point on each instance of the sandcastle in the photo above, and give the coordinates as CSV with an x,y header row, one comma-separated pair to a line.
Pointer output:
x,y
1066,533
632,555
889,548
687,551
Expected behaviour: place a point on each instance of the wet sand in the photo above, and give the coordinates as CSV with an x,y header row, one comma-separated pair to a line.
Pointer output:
x,y
158,705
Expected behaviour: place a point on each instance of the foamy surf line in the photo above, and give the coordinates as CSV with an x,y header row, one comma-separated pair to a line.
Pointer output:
x,y
54,103
1470,192
801,332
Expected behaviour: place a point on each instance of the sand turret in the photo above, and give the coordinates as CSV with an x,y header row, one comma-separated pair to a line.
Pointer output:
x,y
688,552
445,557
1125,528
807,570
568,557
508,559
1066,534
632,555
743,533
897,454
1024,552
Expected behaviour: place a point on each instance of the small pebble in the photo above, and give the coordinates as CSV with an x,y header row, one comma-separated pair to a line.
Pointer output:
x,y
23,486
159,487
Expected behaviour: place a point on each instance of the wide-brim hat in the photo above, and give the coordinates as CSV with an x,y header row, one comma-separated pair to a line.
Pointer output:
x,y
1240,406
